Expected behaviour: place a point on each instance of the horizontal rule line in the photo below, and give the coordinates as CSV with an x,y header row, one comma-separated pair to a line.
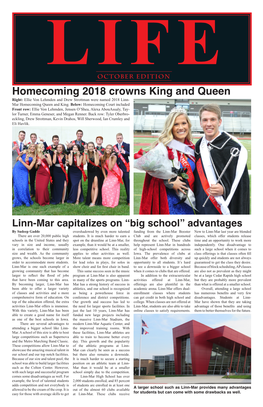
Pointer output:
x,y
128,80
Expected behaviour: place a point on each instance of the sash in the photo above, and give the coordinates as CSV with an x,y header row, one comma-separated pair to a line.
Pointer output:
x,y
185,148
17,148
27,162
190,173
62,167
127,165
182,149
91,162
100,151
119,177
47,169
81,169
241,164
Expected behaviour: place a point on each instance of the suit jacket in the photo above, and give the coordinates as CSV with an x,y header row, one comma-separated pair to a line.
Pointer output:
x,y
220,149
126,155
100,149
81,146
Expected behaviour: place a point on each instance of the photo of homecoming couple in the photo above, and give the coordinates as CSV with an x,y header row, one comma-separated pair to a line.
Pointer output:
x,y
192,158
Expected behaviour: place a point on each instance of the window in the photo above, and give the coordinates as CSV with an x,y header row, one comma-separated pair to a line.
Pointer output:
x,y
143,371
186,361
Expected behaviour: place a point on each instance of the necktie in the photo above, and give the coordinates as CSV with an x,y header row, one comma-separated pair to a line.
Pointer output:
x,y
21,147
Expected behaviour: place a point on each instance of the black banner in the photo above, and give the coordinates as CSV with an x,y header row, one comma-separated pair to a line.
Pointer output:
x,y
141,49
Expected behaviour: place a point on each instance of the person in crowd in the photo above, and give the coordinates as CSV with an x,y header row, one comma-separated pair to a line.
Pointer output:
x,y
218,153
113,177
32,172
123,151
51,148
43,161
169,181
78,141
25,161
33,138
75,173
95,177
99,147
59,175
18,146
54,144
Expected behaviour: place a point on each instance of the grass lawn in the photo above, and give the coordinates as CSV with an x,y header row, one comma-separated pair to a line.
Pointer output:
x,y
75,210
237,377
138,184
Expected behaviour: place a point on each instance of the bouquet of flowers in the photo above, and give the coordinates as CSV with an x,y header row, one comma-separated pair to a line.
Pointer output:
x,y
155,162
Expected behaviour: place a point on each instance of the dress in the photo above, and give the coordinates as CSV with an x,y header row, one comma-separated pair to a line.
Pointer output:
x,y
42,181
19,147
20,180
75,176
125,167
111,187
94,171
176,208
235,180
59,179
159,200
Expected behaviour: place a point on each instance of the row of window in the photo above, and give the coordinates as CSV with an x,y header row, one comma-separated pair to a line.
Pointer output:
x,y
164,365
219,363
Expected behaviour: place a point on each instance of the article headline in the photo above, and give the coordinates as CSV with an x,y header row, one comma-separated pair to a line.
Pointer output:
x,y
96,91
132,222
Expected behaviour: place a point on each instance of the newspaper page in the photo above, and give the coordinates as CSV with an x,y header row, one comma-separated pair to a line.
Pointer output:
x,y
132,240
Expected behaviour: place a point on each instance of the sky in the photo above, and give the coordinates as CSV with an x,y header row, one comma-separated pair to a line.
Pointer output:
x,y
159,341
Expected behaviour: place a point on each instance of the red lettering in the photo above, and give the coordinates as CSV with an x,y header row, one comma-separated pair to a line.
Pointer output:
x,y
142,40
59,45
109,42
190,41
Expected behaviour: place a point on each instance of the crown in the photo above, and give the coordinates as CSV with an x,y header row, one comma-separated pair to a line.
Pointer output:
x,y
178,110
